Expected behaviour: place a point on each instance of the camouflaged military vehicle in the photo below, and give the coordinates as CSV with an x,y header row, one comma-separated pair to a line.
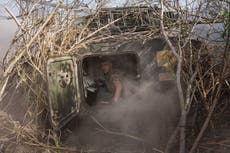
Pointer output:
x,y
71,79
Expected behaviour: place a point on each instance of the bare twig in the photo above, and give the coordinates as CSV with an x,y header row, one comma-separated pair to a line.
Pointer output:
x,y
13,16
178,79
216,98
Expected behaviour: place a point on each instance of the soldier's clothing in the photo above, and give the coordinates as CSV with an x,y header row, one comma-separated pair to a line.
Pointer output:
x,y
110,77
106,94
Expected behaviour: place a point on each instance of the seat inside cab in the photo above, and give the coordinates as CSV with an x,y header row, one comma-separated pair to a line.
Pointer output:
x,y
95,89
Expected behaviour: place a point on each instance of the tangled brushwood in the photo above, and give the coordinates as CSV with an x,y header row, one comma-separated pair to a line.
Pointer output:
x,y
57,31
203,70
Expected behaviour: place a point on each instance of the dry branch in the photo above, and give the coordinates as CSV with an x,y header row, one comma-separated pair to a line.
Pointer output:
x,y
13,16
43,34
216,97
178,79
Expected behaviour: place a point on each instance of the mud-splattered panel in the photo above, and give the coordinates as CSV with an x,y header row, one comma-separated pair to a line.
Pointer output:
x,y
62,89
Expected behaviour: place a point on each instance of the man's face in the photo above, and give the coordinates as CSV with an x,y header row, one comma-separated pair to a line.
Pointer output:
x,y
106,67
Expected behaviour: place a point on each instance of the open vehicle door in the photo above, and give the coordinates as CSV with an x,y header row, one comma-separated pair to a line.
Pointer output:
x,y
63,90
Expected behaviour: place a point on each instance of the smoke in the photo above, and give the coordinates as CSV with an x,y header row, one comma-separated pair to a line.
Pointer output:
x,y
141,122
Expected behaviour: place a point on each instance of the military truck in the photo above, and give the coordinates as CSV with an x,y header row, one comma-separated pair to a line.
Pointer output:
x,y
71,78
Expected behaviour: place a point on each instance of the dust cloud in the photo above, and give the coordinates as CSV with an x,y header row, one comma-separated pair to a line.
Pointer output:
x,y
142,122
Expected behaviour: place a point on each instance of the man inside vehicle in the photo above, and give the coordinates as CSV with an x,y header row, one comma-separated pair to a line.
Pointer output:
x,y
113,80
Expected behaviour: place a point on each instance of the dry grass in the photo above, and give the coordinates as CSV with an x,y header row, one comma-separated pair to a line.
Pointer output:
x,y
40,36
54,34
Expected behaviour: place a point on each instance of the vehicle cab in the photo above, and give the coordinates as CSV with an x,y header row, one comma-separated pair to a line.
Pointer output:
x,y
72,79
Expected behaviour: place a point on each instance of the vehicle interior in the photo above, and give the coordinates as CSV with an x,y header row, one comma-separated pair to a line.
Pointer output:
x,y
95,89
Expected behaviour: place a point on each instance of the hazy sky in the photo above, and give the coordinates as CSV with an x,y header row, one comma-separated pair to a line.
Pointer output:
x,y
7,31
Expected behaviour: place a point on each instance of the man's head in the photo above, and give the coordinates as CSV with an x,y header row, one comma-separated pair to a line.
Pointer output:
x,y
106,66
